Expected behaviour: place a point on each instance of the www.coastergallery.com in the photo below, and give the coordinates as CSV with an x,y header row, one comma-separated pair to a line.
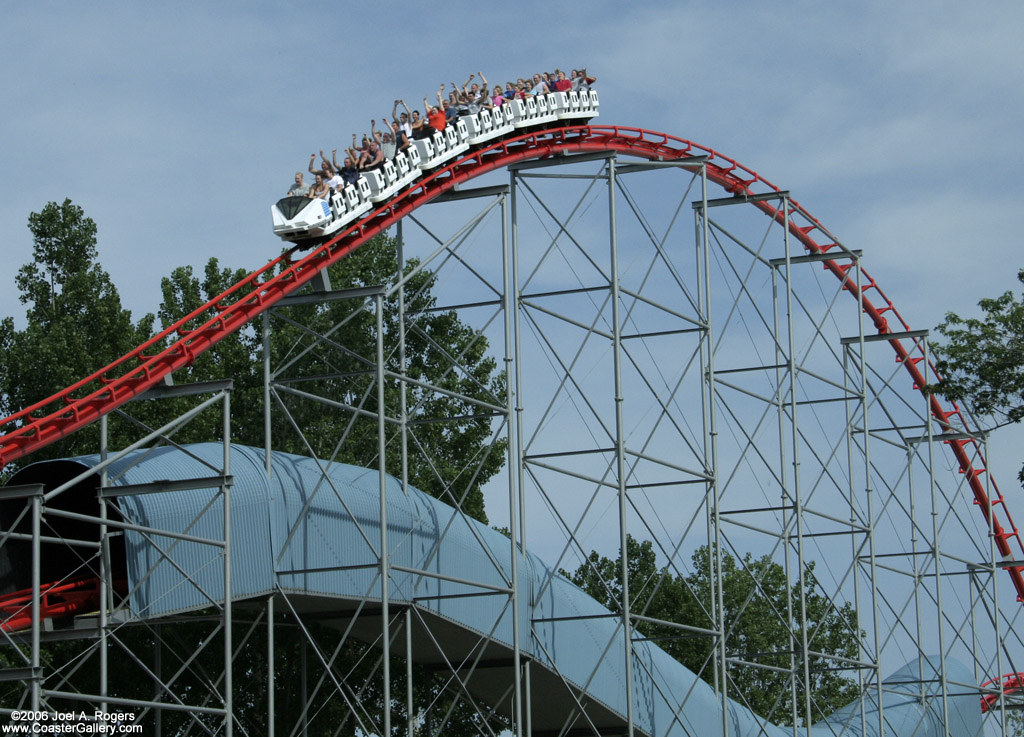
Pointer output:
x,y
46,722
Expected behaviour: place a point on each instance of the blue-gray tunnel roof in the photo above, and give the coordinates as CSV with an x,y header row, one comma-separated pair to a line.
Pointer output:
x,y
314,536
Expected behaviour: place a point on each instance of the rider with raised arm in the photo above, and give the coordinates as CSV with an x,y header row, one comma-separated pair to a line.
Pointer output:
x,y
417,125
348,171
383,138
325,170
370,156
403,119
482,89
435,115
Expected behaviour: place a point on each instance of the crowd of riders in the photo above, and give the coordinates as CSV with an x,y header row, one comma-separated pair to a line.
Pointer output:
x,y
398,130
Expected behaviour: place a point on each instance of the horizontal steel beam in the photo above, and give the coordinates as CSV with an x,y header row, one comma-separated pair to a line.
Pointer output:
x,y
452,579
470,665
20,674
439,597
138,704
467,194
50,512
332,296
905,335
816,257
156,487
688,162
169,391
23,491
69,542
742,199
328,569
561,160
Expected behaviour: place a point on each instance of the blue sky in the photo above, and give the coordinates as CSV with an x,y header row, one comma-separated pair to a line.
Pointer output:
x,y
176,125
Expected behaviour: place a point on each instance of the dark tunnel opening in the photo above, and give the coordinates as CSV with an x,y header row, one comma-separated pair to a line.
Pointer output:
x,y
59,561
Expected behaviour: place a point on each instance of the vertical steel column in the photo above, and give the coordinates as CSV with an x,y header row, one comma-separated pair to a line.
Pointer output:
x,y
528,716
851,493
620,449
385,614
794,691
409,696
403,415
796,496
710,420
506,306
304,683
266,392
225,491
403,419
105,576
937,551
158,666
869,493
994,558
699,236
518,361
36,504
861,399
915,564
270,667
517,435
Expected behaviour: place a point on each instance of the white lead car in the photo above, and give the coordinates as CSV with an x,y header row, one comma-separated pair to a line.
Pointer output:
x,y
297,219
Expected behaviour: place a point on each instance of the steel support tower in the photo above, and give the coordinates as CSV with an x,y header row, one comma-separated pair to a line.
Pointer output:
x,y
678,369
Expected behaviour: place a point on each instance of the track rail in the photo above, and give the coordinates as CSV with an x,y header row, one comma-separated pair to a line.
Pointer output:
x,y
177,346
57,600
1011,683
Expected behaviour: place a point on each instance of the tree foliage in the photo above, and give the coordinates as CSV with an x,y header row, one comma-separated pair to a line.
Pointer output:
x,y
761,626
326,351
981,360
75,321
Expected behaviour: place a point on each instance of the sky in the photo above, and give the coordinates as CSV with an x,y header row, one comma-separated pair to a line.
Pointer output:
x,y
177,125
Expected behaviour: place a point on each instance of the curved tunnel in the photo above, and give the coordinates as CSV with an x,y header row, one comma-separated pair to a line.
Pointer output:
x,y
313,537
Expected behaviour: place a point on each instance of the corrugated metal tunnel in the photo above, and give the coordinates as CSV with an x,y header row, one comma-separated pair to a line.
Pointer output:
x,y
312,537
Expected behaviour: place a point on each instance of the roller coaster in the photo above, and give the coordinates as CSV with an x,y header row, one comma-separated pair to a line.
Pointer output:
x,y
530,652
302,218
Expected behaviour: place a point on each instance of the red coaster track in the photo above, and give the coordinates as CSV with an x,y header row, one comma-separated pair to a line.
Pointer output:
x,y
56,600
1011,683
177,346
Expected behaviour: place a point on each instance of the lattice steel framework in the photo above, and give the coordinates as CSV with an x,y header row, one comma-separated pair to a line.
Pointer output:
x,y
678,368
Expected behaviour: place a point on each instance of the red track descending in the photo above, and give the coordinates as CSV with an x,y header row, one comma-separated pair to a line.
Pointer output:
x,y
178,346
1010,683
56,600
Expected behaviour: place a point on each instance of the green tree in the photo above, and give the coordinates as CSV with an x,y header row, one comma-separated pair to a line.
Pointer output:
x,y
75,323
451,453
760,627
981,360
